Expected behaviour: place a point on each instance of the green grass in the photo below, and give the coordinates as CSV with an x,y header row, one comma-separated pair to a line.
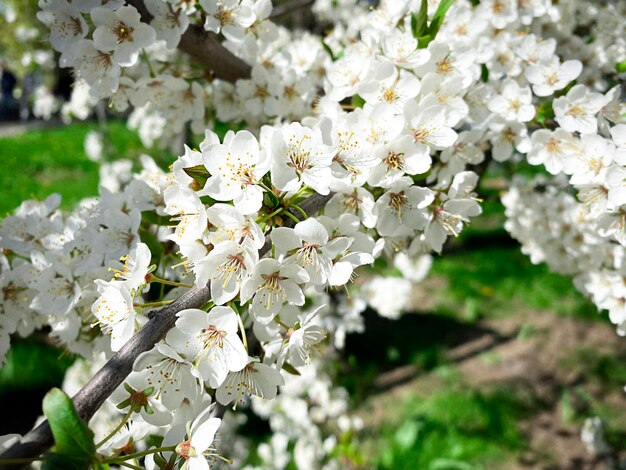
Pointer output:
x,y
39,163
499,281
452,429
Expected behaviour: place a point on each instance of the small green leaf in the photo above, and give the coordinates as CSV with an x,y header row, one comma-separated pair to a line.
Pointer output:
x,y
620,67
438,17
544,112
418,20
422,43
270,200
484,73
290,369
357,101
73,440
198,173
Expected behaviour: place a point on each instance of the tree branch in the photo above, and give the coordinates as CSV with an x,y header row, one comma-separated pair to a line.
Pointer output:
x,y
205,48
289,7
91,397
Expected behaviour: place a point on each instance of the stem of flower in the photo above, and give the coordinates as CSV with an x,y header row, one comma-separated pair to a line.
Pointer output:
x,y
170,283
146,59
269,216
292,217
116,430
282,323
154,304
129,465
121,458
299,209
264,186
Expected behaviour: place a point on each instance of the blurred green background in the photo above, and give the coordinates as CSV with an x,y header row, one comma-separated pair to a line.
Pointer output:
x,y
497,366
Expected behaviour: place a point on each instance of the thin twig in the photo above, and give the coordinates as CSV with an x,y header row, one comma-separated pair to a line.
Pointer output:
x,y
289,7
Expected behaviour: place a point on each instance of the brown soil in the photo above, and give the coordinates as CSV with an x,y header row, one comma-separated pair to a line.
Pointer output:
x,y
540,366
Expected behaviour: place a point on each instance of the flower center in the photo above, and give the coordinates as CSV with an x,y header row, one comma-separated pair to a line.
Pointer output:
x,y
444,66
308,254
231,267
298,157
420,135
76,26
352,201
271,289
394,161
389,95
123,32
553,146
509,135
224,15
185,450
515,104
261,92
103,60
576,111
10,292
397,201
212,336
552,79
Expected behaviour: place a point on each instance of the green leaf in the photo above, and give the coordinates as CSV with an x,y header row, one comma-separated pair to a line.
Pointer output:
x,y
198,173
484,73
270,200
55,461
290,369
358,101
422,43
544,112
101,466
73,440
620,67
438,17
418,20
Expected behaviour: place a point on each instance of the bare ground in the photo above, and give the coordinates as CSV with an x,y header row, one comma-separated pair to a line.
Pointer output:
x,y
550,359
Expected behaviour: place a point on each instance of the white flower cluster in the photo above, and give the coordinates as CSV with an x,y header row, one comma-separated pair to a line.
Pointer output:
x,y
131,62
51,260
555,228
387,150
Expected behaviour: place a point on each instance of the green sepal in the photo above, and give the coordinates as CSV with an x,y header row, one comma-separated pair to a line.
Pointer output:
x,y
124,404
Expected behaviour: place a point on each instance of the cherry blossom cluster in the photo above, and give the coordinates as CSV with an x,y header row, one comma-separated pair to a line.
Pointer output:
x,y
555,228
388,128
128,61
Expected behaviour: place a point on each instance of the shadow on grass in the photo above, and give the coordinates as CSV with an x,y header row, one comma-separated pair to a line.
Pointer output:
x,y
414,343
